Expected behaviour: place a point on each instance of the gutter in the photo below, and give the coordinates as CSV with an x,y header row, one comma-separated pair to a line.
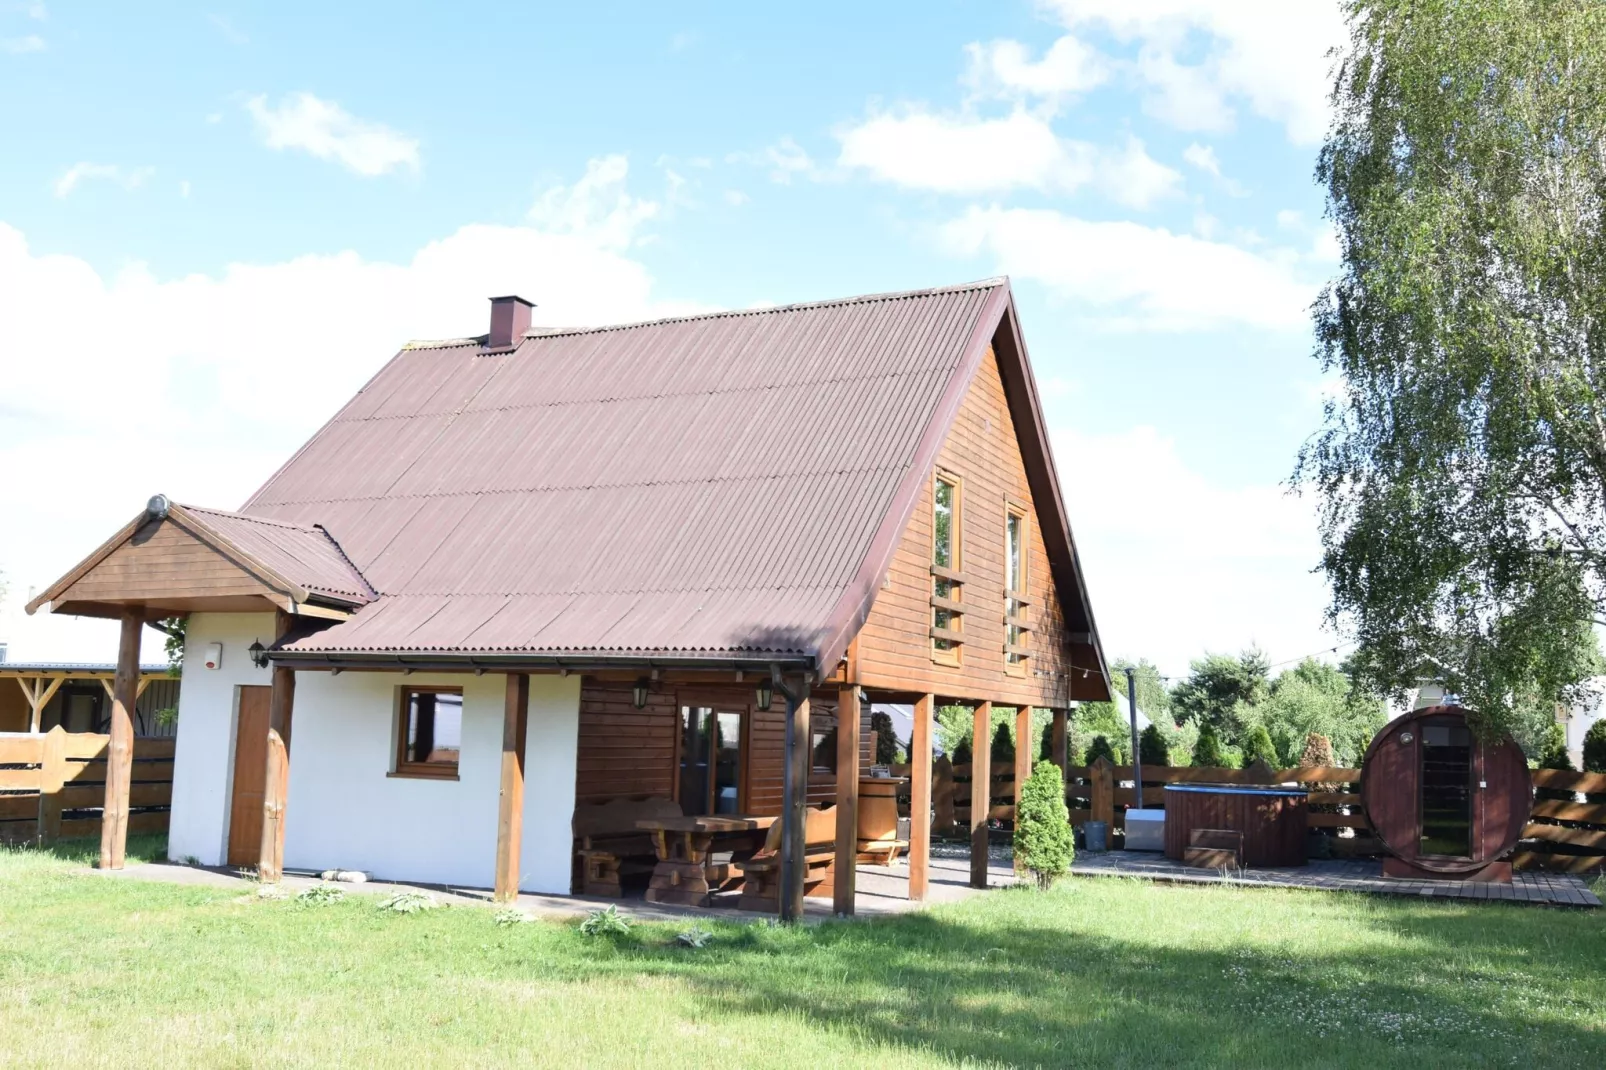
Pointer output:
x,y
426,661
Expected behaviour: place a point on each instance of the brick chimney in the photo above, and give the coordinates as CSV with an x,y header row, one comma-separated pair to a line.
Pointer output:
x,y
510,318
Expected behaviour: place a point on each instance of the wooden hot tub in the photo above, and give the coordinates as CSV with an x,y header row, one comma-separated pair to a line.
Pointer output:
x,y
1271,819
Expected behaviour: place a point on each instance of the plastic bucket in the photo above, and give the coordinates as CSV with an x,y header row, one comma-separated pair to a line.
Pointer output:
x,y
1097,834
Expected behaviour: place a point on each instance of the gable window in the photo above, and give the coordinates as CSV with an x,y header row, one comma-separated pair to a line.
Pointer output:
x,y
946,577
1016,631
429,731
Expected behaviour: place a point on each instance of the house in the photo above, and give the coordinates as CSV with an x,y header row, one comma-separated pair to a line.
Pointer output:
x,y
78,697
540,566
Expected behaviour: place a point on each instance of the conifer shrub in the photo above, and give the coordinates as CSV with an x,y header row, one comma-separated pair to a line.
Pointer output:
x,y
1003,748
886,740
1044,843
1595,747
1152,748
1259,747
1207,751
1045,743
1099,748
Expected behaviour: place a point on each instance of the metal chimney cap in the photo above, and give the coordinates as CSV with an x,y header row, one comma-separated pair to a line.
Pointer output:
x,y
157,506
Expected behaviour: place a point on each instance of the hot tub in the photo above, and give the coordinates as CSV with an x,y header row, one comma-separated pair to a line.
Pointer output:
x,y
1271,819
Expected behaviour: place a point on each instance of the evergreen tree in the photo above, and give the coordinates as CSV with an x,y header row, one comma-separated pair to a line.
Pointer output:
x,y
1099,748
1595,747
1003,748
1207,752
1045,745
1258,746
1044,843
1152,747
886,740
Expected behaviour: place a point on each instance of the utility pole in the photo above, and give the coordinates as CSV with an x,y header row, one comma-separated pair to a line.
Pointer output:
x,y
1137,762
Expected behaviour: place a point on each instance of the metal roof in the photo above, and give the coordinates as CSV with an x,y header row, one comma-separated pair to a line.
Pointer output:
x,y
725,486
306,556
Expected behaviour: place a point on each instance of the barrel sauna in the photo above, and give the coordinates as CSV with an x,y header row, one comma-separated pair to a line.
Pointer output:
x,y
1444,803
1271,819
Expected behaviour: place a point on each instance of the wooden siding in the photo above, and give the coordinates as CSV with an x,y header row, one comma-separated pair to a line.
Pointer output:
x,y
893,651
168,564
624,751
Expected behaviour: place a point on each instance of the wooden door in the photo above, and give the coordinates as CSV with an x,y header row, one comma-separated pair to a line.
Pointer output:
x,y
250,773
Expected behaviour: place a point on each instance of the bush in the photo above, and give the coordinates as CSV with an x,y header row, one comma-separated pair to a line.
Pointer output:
x,y
607,922
1318,751
320,895
408,902
1553,752
1208,750
1003,748
1045,743
1595,747
961,755
1152,747
1259,747
886,740
1044,843
1099,748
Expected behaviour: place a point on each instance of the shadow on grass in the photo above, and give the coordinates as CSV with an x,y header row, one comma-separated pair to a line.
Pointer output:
x,y
85,850
980,986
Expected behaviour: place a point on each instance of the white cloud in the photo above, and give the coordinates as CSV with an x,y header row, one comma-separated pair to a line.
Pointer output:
x,y
597,206
785,159
81,172
1203,157
230,33
18,46
736,198
1137,276
184,188
966,154
1269,54
1238,573
199,386
1005,69
327,131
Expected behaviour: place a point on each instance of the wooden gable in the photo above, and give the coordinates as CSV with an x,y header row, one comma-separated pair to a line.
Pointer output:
x,y
169,570
893,650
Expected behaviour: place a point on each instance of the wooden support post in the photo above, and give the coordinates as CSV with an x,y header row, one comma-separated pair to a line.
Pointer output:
x,y
795,792
920,798
52,778
1025,751
981,784
276,782
510,810
1102,777
845,876
120,753
1060,740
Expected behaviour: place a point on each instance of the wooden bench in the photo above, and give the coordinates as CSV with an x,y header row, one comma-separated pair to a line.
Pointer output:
x,y
610,846
761,874
1214,849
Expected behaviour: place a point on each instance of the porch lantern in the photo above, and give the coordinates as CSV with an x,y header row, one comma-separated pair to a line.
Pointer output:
x,y
638,693
259,654
766,694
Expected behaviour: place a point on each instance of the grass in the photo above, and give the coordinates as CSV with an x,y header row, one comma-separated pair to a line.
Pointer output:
x,y
97,971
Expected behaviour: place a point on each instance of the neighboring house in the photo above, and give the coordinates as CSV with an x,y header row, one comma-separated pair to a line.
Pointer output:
x,y
629,536
38,696
1581,716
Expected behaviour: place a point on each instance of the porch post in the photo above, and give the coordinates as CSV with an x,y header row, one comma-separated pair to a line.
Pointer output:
x,y
276,783
120,752
795,790
845,877
510,815
920,798
981,784
1025,751
1060,740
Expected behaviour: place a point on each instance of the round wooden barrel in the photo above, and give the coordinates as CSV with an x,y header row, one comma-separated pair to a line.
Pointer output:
x,y
1439,797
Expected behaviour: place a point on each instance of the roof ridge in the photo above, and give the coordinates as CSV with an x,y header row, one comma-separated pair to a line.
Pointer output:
x,y
796,306
341,550
309,529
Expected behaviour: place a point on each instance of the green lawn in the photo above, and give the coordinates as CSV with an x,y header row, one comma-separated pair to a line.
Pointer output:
x,y
97,971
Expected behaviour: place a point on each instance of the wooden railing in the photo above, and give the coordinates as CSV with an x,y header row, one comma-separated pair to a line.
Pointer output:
x,y
53,785
1565,833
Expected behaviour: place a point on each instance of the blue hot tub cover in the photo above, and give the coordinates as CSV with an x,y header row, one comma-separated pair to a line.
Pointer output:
x,y
1236,789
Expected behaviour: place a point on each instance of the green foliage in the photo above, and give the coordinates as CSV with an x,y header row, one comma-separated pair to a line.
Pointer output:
x,y
1207,751
1318,751
1045,743
1257,746
1220,688
508,917
408,902
886,740
953,728
1462,466
1093,719
173,646
606,922
1003,748
1044,842
320,895
1595,747
1099,748
1315,697
1553,751
695,937
1154,698
1152,747
961,753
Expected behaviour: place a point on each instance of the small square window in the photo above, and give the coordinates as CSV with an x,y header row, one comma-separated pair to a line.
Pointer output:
x,y
429,731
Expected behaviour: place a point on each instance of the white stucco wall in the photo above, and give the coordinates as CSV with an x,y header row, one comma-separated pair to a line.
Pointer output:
x,y
203,762
344,809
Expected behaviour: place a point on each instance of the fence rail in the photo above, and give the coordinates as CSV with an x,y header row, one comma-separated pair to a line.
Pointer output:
x,y
53,785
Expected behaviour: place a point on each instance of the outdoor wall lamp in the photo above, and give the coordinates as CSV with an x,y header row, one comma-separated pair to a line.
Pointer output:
x,y
638,693
766,694
259,655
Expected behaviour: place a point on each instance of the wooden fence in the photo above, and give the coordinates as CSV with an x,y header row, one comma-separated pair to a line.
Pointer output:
x,y
53,785
1565,832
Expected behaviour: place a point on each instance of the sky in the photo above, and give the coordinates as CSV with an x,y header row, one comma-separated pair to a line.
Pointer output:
x,y
217,222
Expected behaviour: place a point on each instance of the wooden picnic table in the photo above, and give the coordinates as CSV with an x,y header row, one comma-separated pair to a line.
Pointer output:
x,y
686,873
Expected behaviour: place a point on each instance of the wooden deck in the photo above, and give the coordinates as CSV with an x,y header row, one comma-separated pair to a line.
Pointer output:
x,y
1341,875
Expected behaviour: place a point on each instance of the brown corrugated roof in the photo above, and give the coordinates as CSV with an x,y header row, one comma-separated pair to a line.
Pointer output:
x,y
723,486
305,556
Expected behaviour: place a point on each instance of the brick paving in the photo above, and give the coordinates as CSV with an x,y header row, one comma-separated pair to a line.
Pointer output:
x,y
1341,875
